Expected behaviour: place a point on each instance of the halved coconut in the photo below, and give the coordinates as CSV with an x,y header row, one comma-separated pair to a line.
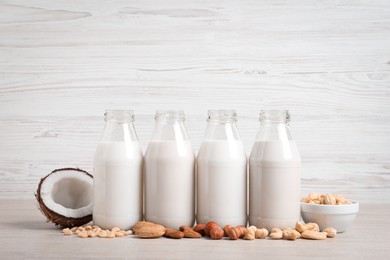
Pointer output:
x,y
65,197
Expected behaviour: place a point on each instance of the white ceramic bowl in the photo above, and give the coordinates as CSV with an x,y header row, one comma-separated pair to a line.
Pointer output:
x,y
339,217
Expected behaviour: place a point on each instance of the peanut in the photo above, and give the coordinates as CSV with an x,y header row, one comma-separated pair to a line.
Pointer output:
x,y
119,234
110,234
330,232
276,233
82,234
73,229
115,229
102,234
261,233
67,232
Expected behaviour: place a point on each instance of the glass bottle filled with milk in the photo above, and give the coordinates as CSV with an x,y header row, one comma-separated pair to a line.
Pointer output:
x,y
170,173
117,179
221,172
274,173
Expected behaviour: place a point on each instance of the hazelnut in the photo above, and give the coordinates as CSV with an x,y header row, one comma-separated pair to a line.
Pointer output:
x,y
216,233
226,229
200,229
234,233
210,225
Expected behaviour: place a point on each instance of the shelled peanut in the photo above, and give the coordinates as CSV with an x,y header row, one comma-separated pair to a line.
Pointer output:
x,y
96,231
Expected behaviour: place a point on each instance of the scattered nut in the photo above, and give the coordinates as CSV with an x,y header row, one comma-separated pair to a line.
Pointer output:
x,y
234,233
67,232
310,234
115,229
119,234
330,232
291,234
300,227
144,229
82,234
216,233
182,228
249,234
102,234
261,233
276,233
110,234
200,229
242,229
254,228
189,233
226,230
176,234
210,225
88,228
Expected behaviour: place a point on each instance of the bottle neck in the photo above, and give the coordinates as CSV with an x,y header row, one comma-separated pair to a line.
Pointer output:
x,y
119,116
274,126
222,125
274,117
119,126
170,125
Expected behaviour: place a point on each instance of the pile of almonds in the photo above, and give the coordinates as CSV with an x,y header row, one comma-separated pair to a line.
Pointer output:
x,y
96,231
144,229
325,199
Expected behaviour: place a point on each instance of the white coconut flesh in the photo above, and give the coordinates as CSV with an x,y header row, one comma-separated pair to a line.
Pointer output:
x,y
68,193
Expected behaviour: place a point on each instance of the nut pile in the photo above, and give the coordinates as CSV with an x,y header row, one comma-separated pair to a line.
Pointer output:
x,y
144,229
96,231
212,230
325,199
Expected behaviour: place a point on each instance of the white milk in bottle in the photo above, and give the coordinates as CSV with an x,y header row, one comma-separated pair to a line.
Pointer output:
x,y
221,172
118,173
274,174
170,173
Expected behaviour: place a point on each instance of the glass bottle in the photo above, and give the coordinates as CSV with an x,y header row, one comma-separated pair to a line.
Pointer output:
x,y
221,172
118,173
274,173
170,173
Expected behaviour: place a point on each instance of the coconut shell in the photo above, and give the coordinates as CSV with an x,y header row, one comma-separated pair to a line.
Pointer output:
x,y
54,217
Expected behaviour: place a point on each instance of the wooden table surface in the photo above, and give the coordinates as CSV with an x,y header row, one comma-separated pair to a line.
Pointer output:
x,y
24,234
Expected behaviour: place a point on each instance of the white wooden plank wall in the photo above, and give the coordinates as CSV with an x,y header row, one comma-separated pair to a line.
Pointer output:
x,y
62,63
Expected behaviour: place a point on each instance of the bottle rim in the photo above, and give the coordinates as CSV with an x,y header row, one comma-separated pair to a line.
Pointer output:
x,y
117,115
222,115
176,115
275,116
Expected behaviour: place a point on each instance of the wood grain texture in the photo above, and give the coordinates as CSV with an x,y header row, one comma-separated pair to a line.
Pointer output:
x,y
26,235
62,63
